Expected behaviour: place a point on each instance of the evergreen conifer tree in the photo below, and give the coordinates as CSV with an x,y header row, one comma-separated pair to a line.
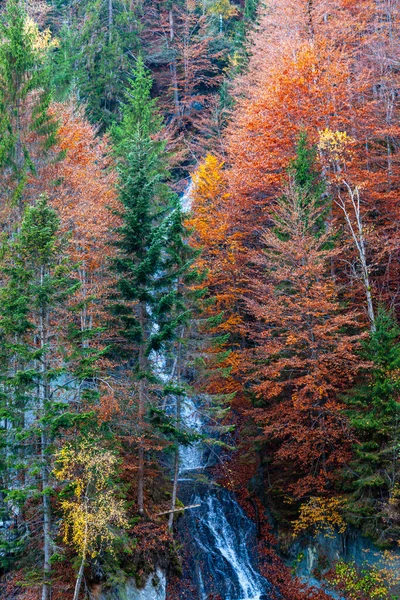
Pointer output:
x,y
27,131
152,256
43,374
303,168
96,48
374,410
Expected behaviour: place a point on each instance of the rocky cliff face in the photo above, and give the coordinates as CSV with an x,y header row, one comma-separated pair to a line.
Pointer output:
x,y
314,556
155,589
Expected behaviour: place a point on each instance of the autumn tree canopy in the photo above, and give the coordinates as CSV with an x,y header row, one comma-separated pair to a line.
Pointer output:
x,y
199,256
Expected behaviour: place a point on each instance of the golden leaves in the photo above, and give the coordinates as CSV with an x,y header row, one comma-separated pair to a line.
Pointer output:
x,y
321,515
91,518
41,40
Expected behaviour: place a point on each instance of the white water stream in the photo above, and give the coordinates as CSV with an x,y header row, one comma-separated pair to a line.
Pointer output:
x,y
191,457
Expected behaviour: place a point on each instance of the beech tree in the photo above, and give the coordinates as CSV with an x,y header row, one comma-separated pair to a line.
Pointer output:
x,y
346,58
304,347
82,188
221,311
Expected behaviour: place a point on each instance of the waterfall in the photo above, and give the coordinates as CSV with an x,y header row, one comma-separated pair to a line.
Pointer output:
x,y
218,537
191,457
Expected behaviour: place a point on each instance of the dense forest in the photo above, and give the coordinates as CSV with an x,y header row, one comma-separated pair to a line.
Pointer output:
x,y
200,299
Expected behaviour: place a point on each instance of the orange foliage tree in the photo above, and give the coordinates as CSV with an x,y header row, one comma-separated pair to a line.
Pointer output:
x,y
80,185
304,354
222,312
85,197
277,299
330,67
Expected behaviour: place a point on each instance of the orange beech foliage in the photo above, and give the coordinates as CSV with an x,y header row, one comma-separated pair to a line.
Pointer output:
x,y
80,183
210,221
316,67
303,357
81,187
84,192
219,260
379,47
330,66
306,91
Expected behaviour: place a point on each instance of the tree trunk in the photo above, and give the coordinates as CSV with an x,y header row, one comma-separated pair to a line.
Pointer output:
x,y
174,487
110,20
357,233
43,399
141,409
79,579
140,488
19,154
310,23
173,67
178,419
46,590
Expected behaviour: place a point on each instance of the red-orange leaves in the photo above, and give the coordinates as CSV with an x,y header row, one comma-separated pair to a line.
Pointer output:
x,y
211,222
81,187
306,90
86,187
304,354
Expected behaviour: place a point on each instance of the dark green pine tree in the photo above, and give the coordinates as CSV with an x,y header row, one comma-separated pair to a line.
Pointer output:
x,y
177,305
97,44
152,260
43,380
374,411
27,131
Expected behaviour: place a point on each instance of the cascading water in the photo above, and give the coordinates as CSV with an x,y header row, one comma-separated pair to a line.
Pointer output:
x,y
218,537
191,457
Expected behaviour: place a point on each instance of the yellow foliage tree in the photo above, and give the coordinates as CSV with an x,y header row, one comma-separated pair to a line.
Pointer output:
x,y
370,581
321,515
41,40
94,515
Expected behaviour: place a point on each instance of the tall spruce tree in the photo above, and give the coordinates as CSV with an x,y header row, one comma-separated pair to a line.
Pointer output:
x,y
152,257
27,131
374,411
43,374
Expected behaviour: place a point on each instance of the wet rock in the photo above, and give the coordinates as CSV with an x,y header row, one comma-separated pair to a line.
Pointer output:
x,y
155,589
